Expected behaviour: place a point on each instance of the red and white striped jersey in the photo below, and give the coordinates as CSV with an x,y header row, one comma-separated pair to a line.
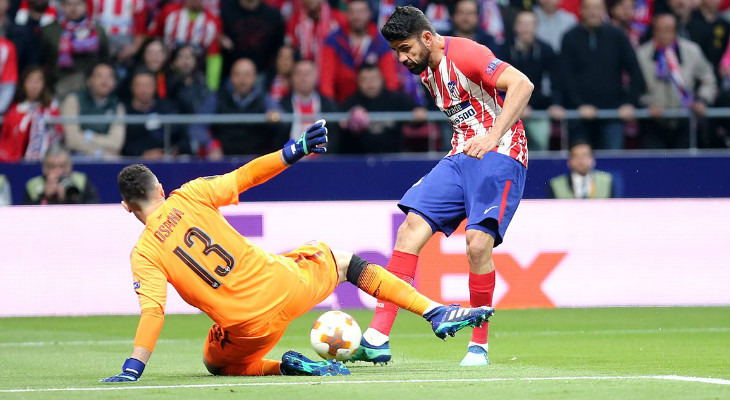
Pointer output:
x,y
8,62
119,17
177,25
464,88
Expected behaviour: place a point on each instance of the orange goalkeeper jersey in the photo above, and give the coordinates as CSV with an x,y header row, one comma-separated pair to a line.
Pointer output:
x,y
188,243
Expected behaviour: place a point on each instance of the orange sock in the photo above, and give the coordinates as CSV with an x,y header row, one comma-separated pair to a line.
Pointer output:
x,y
384,286
256,368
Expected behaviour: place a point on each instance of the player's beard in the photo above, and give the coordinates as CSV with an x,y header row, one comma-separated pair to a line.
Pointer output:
x,y
422,62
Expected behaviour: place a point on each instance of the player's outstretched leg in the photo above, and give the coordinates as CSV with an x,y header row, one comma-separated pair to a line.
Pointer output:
x,y
379,283
293,363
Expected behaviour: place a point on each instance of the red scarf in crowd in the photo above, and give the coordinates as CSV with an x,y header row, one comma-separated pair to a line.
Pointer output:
x,y
76,38
668,70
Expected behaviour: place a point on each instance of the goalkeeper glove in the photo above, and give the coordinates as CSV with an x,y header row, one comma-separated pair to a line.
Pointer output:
x,y
131,371
308,143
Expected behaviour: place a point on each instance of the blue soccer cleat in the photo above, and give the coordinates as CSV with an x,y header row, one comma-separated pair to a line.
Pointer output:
x,y
370,353
476,356
447,320
293,363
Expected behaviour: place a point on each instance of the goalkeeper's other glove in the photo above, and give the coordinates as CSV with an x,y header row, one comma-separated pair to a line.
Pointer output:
x,y
131,371
310,142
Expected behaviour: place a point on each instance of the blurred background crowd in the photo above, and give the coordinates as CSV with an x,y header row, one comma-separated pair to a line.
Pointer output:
x,y
306,57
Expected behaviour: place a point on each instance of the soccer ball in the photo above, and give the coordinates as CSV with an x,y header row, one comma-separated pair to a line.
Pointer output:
x,y
335,335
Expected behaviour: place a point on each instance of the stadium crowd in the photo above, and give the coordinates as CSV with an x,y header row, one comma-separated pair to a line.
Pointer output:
x,y
146,57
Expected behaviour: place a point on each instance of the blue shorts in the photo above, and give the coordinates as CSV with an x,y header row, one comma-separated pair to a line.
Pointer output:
x,y
486,192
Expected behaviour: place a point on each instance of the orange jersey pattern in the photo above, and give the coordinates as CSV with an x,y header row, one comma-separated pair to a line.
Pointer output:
x,y
188,243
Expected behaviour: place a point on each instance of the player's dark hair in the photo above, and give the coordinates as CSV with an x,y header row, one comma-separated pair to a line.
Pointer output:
x,y
136,182
406,23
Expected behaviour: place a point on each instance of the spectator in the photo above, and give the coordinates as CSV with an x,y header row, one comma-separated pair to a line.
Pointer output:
x,y
279,80
148,140
59,184
72,44
673,67
189,23
8,71
553,23
305,103
351,46
438,13
309,27
711,31
26,34
537,60
95,139
631,16
363,136
583,181
597,62
6,197
186,84
25,134
153,56
125,24
240,95
465,23
188,89
683,10
252,30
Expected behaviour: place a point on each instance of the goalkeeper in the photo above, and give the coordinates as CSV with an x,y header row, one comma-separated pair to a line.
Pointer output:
x,y
251,295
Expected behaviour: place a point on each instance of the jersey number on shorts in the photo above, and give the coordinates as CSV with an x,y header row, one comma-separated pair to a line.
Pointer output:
x,y
209,247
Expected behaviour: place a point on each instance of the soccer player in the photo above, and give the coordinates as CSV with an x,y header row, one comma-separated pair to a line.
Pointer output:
x,y
482,177
249,294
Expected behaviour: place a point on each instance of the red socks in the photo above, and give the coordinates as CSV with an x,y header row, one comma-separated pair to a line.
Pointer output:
x,y
481,291
402,265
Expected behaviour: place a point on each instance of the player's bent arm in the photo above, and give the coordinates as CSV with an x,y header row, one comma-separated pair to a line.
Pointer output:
x,y
518,89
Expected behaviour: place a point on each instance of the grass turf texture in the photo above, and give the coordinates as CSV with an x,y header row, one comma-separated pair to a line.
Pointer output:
x,y
42,353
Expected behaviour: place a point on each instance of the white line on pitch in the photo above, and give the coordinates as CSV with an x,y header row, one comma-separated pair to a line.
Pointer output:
x,y
89,342
713,381
409,335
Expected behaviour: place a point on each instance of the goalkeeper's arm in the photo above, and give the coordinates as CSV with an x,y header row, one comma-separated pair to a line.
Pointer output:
x,y
266,167
148,330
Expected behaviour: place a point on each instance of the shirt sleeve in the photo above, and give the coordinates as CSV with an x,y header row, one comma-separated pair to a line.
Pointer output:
x,y
475,61
150,284
223,190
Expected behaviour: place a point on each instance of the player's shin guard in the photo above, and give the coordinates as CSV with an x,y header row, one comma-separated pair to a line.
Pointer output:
x,y
381,284
402,265
256,368
481,292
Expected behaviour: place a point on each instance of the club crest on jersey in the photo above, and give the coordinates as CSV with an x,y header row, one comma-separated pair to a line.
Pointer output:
x,y
493,66
451,86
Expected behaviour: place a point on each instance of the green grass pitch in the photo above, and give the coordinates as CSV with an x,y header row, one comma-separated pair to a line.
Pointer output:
x,y
611,353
